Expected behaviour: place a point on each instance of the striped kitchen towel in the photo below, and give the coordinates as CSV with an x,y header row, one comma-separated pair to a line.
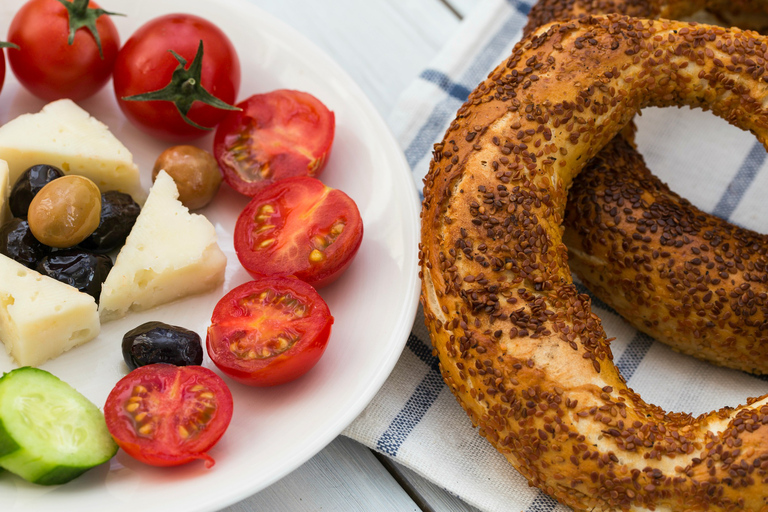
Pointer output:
x,y
415,418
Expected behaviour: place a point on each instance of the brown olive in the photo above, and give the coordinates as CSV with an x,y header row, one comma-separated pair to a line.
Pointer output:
x,y
65,211
195,172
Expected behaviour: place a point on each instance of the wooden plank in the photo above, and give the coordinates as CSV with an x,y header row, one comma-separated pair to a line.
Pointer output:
x,y
462,7
345,476
382,44
428,496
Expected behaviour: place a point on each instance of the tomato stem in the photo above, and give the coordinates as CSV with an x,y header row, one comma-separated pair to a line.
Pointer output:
x,y
4,44
185,88
80,16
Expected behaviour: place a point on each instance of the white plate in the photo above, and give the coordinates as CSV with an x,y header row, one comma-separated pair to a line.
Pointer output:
x,y
273,431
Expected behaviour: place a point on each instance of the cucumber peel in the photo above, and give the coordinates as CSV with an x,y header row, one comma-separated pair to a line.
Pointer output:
x,y
49,432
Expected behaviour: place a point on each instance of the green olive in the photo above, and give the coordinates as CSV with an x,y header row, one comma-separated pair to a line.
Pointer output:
x,y
195,172
65,211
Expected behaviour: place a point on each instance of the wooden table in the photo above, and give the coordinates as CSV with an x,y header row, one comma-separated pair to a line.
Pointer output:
x,y
383,45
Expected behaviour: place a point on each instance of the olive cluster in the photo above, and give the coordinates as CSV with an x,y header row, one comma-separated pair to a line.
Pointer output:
x,y
63,227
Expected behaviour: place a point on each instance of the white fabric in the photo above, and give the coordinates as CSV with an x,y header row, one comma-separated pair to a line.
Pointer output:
x,y
414,418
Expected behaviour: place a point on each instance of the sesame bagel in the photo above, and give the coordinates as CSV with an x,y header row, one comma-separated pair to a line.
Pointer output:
x,y
683,276
518,345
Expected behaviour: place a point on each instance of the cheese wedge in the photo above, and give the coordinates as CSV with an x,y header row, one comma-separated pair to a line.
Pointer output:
x,y
5,190
64,135
40,317
169,254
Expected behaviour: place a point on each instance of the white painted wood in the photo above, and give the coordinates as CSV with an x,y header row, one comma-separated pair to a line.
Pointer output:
x,y
427,495
382,44
344,477
462,7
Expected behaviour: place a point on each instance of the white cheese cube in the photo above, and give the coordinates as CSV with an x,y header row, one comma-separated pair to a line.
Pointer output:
x,y
169,254
5,190
64,135
40,317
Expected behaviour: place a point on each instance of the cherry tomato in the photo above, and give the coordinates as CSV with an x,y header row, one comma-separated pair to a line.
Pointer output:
x,y
166,415
276,135
2,64
47,65
145,64
269,331
299,227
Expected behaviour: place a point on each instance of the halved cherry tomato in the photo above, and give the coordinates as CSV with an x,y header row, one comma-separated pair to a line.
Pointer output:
x,y
47,64
166,415
299,227
269,331
276,135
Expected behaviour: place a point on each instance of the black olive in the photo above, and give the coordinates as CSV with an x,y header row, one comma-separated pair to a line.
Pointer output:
x,y
28,185
156,342
18,242
83,270
118,215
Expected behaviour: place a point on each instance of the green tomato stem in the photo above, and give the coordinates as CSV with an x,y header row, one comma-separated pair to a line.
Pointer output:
x,y
185,88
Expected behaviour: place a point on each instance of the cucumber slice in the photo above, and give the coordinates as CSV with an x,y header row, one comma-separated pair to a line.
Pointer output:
x,y
49,433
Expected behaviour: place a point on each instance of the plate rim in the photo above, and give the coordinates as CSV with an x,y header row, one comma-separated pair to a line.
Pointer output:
x,y
410,233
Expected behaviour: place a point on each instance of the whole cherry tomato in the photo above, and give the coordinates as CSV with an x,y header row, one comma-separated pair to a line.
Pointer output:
x,y
299,227
276,135
166,415
269,331
59,56
190,60
2,61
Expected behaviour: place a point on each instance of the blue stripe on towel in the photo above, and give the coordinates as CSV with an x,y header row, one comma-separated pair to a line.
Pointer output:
x,y
417,405
741,182
444,110
542,503
441,80
634,354
521,7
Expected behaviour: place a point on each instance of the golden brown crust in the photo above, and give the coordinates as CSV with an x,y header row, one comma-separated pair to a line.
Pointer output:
x,y
687,278
518,345
746,14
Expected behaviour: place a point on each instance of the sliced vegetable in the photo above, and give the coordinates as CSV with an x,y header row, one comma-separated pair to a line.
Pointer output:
x,y
183,73
277,135
299,227
49,433
66,49
166,415
269,331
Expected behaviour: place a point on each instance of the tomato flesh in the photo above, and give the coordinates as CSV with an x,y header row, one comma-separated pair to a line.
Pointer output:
x,y
47,65
269,331
276,135
166,415
145,64
299,227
